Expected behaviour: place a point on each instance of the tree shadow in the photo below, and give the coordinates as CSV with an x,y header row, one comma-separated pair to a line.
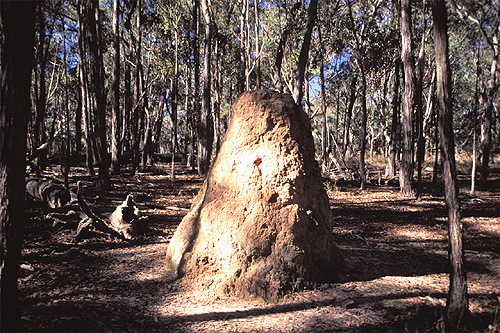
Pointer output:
x,y
84,290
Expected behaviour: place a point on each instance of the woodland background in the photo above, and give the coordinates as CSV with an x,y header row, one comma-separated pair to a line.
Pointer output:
x,y
141,77
119,85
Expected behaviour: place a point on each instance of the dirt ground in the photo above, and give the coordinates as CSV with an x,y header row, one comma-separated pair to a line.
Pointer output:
x,y
397,247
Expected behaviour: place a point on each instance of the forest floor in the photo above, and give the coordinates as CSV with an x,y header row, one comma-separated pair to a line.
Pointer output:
x,y
397,247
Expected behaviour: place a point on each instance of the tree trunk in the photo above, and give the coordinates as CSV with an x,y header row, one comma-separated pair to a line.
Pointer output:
x,y
298,86
429,108
348,116
337,117
66,154
116,115
278,83
190,121
419,106
457,296
435,168
205,126
196,84
147,143
487,99
257,46
474,125
137,110
324,130
175,99
78,126
17,19
393,143
406,169
218,59
127,112
362,149
97,71
84,90
158,124
39,135
242,80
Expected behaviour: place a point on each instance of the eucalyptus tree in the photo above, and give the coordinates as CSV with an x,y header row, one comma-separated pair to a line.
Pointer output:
x,y
290,18
395,105
360,29
406,167
298,91
137,111
94,31
205,125
116,115
456,307
85,101
39,134
485,16
196,80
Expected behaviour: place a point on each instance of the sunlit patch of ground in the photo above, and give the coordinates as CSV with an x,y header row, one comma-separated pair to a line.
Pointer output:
x,y
397,246
415,233
367,306
484,224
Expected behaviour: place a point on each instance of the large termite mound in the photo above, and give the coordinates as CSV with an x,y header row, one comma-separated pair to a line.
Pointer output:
x,y
261,225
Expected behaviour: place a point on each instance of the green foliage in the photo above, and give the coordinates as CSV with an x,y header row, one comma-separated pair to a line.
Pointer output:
x,y
167,37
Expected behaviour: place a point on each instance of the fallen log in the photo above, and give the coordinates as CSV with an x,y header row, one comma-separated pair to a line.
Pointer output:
x,y
55,195
124,223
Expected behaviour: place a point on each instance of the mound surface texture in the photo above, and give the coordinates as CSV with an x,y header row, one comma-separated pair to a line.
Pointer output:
x,y
261,225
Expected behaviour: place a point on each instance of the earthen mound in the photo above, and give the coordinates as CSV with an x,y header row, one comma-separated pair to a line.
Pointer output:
x,y
261,225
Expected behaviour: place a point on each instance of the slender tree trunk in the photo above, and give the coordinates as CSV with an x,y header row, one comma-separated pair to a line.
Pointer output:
x,y
84,90
116,115
257,46
205,126
298,86
307,104
419,111
127,112
129,127
196,84
175,99
362,149
78,128
188,108
242,81
97,70
337,117
488,98
324,131
429,108
41,103
435,168
159,124
17,19
219,54
456,307
247,48
137,110
278,83
66,161
191,129
406,169
147,143
474,124
348,116
393,143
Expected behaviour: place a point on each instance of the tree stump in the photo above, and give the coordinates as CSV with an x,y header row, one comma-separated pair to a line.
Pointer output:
x,y
261,225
